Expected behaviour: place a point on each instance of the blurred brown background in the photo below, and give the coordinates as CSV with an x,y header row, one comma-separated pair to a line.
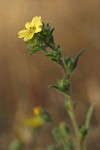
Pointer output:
x,y
24,80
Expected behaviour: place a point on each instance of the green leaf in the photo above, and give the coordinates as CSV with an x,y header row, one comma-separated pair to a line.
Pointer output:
x,y
33,51
62,86
57,88
84,129
89,116
83,133
68,60
77,58
45,115
53,86
69,65
52,30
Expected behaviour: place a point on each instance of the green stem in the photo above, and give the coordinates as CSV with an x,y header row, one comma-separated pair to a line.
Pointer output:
x,y
79,144
75,125
62,62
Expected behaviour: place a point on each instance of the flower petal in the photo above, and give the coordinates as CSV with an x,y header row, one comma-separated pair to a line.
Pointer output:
x,y
28,36
27,25
36,21
39,22
38,30
22,33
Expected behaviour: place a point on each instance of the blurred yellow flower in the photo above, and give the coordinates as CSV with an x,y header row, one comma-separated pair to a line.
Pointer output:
x,y
31,28
34,122
37,111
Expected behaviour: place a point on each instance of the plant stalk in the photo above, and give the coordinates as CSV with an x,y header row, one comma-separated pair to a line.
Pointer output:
x,y
79,143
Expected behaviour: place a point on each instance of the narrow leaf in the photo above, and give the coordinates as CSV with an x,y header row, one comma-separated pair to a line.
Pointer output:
x,y
52,30
77,58
32,52
89,116
68,59
53,86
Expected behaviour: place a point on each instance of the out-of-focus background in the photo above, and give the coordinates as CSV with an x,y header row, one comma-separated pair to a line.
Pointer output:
x,y
24,80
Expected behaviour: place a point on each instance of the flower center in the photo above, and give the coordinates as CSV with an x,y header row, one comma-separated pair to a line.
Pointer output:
x,y
32,29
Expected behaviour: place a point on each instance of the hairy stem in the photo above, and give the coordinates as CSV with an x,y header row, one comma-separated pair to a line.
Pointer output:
x,y
78,143
74,123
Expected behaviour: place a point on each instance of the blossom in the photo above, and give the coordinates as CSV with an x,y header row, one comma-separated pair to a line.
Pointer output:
x,y
37,111
34,122
32,27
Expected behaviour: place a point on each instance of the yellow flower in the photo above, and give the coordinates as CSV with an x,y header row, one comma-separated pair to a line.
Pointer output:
x,y
37,111
31,28
34,122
